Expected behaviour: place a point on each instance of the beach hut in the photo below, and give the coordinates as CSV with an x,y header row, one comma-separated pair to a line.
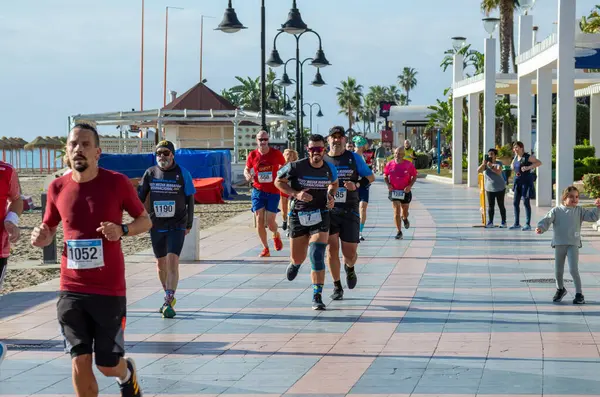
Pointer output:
x,y
40,144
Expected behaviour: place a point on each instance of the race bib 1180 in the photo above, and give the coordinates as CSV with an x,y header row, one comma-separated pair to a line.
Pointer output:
x,y
85,254
164,209
398,194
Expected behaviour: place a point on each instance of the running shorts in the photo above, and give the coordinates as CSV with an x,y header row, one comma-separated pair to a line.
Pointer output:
x,y
363,193
346,223
167,242
93,324
298,230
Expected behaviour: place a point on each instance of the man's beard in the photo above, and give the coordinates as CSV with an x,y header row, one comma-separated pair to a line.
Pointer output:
x,y
80,167
163,163
80,163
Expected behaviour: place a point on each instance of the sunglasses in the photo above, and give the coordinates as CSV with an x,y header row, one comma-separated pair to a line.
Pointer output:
x,y
316,149
164,153
263,139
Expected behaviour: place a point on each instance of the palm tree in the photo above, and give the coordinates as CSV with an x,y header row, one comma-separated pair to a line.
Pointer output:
x,y
591,23
249,92
349,97
408,81
507,36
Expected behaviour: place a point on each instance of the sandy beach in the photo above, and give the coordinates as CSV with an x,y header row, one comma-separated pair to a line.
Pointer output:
x,y
22,251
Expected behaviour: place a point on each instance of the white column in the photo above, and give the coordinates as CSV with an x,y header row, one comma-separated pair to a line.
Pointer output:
x,y
473,148
489,95
525,101
544,137
595,122
457,124
235,142
565,107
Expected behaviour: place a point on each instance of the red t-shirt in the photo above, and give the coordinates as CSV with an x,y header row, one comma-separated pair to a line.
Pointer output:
x,y
82,207
265,168
400,174
9,191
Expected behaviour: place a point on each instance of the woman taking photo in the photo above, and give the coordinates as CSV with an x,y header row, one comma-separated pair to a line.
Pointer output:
x,y
495,186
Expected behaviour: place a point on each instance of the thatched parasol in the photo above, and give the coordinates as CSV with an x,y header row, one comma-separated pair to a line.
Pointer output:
x,y
37,143
53,143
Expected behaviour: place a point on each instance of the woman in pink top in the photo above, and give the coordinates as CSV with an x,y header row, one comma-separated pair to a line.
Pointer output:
x,y
400,176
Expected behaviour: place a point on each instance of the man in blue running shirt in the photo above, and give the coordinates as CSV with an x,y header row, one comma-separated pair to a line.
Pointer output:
x,y
171,206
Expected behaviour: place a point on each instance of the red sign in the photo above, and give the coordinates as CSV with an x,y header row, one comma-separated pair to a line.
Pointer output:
x,y
387,136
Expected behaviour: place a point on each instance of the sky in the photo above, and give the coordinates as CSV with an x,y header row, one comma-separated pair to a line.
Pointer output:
x,y
67,57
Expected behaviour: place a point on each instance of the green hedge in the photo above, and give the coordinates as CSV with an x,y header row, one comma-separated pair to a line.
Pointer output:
x,y
579,173
580,152
591,185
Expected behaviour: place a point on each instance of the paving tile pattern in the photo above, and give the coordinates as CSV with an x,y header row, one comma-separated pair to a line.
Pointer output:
x,y
444,312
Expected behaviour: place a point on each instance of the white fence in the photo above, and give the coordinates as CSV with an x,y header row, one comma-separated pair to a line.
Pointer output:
x,y
127,145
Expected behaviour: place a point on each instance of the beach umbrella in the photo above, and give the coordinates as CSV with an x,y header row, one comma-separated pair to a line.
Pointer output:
x,y
38,143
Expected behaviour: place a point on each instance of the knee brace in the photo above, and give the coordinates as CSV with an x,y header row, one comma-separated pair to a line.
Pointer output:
x,y
317,256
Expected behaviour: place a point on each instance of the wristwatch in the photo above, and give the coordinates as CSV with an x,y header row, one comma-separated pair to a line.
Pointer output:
x,y
125,230
357,185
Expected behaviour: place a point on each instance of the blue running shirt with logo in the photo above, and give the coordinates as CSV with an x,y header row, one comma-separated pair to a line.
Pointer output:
x,y
302,176
350,167
169,191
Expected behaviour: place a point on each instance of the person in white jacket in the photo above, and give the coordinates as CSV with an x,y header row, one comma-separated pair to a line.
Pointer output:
x,y
566,220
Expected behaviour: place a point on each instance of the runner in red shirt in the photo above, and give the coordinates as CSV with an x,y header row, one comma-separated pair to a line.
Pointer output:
x,y
262,166
11,207
400,176
92,305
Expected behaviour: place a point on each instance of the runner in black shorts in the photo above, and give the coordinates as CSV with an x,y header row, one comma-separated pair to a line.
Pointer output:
x,y
361,145
400,176
91,308
345,218
171,208
311,183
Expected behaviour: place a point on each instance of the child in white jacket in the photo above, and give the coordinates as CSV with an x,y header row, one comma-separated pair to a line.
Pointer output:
x,y
566,220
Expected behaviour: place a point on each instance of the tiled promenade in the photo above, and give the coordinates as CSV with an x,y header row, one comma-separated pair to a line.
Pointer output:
x,y
442,313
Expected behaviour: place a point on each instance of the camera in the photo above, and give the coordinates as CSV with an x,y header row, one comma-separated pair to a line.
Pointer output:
x,y
487,158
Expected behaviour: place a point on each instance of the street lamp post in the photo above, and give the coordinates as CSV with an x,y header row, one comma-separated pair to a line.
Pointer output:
x,y
166,51
142,64
319,61
319,114
294,25
202,42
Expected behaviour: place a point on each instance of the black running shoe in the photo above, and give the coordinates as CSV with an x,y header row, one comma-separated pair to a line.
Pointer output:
x,y
284,226
338,294
406,223
131,388
318,302
399,235
579,300
559,295
292,271
351,278
361,237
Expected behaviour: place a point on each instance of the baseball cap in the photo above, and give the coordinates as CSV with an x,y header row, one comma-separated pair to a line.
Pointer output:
x,y
167,145
337,130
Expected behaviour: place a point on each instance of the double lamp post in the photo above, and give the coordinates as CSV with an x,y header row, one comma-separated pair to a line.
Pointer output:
x,y
294,26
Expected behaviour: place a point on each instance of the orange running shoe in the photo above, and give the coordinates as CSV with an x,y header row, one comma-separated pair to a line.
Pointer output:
x,y
265,253
278,243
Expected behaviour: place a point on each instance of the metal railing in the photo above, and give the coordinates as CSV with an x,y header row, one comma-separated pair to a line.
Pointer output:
x,y
470,80
127,145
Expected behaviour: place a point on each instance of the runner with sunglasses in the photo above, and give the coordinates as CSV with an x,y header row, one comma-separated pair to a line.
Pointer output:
x,y
170,190
261,168
312,184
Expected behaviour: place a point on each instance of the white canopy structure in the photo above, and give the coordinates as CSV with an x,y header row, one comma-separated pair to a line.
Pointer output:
x,y
541,73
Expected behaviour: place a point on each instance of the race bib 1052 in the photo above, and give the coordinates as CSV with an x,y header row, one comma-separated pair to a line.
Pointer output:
x,y
398,194
85,254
